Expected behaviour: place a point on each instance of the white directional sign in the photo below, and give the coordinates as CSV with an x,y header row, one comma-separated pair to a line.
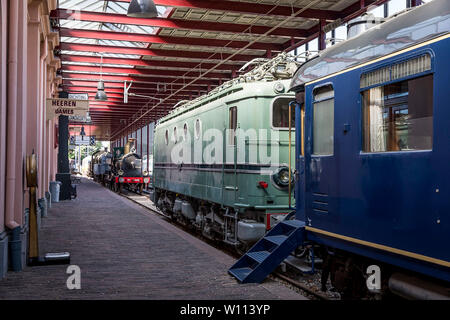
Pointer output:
x,y
77,118
82,140
66,107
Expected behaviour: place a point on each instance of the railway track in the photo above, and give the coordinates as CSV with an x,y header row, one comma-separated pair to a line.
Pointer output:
x,y
308,286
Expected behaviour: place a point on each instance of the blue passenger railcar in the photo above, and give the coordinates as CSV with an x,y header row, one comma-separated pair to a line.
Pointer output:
x,y
374,176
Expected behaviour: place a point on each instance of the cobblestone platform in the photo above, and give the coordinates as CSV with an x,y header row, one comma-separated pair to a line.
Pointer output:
x,y
126,252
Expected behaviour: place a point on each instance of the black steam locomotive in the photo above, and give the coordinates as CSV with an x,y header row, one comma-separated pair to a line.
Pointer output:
x,y
101,165
127,170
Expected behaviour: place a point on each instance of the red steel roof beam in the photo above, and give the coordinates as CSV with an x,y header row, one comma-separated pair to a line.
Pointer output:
x,y
152,52
131,98
246,7
161,80
120,92
173,23
148,38
141,71
135,86
144,63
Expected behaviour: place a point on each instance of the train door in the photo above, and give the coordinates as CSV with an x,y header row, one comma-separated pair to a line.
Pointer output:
x,y
300,161
319,155
229,167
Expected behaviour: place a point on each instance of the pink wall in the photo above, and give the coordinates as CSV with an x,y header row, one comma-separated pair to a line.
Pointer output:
x,y
20,186
3,87
33,92
26,83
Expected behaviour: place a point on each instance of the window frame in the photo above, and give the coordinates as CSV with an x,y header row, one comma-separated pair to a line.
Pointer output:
x,y
389,63
398,60
197,132
175,135
230,132
271,114
185,131
313,101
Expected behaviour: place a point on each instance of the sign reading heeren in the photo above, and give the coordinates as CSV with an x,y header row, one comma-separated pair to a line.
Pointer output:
x,y
66,107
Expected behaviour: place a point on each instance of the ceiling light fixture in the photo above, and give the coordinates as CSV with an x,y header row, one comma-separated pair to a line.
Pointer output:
x,y
101,95
142,9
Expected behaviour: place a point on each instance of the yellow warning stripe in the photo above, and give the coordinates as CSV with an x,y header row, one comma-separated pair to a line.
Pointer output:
x,y
382,247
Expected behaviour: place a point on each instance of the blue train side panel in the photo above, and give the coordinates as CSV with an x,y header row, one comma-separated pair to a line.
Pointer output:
x,y
389,206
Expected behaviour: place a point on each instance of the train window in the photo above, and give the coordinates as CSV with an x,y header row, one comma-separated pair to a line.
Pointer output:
x,y
232,123
396,71
323,121
175,137
280,113
167,137
197,129
185,131
399,116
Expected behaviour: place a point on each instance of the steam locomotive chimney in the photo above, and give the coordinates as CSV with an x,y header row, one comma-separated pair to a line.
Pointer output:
x,y
130,144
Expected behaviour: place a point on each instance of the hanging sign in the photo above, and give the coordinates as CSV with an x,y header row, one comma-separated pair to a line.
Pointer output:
x,y
82,140
66,107
77,118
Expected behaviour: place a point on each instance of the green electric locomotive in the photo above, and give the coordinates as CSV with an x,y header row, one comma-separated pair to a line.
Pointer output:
x,y
221,161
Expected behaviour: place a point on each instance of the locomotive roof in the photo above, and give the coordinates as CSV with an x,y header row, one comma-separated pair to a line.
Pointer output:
x,y
280,68
418,25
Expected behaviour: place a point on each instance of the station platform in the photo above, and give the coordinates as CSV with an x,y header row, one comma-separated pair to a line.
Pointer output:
x,y
125,251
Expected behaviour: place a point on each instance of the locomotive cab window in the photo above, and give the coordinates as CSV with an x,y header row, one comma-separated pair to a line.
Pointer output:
x,y
280,113
323,121
399,116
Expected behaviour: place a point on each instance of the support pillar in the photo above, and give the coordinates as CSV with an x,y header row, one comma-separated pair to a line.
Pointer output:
x,y
322,35
33,65
63,174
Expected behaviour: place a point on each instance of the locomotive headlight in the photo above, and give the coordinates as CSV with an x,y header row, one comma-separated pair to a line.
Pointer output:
x,y
284,176
145,173
120,172
281,177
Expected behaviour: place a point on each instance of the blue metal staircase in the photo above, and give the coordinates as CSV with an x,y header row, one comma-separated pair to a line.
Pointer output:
x,y
269,252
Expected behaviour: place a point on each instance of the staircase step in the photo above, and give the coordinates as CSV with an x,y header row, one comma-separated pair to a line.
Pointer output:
x,y
258,256
276,239
294,223
240,273
269,252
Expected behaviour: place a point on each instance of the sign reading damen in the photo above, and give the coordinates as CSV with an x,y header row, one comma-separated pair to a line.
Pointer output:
x,y
66,107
